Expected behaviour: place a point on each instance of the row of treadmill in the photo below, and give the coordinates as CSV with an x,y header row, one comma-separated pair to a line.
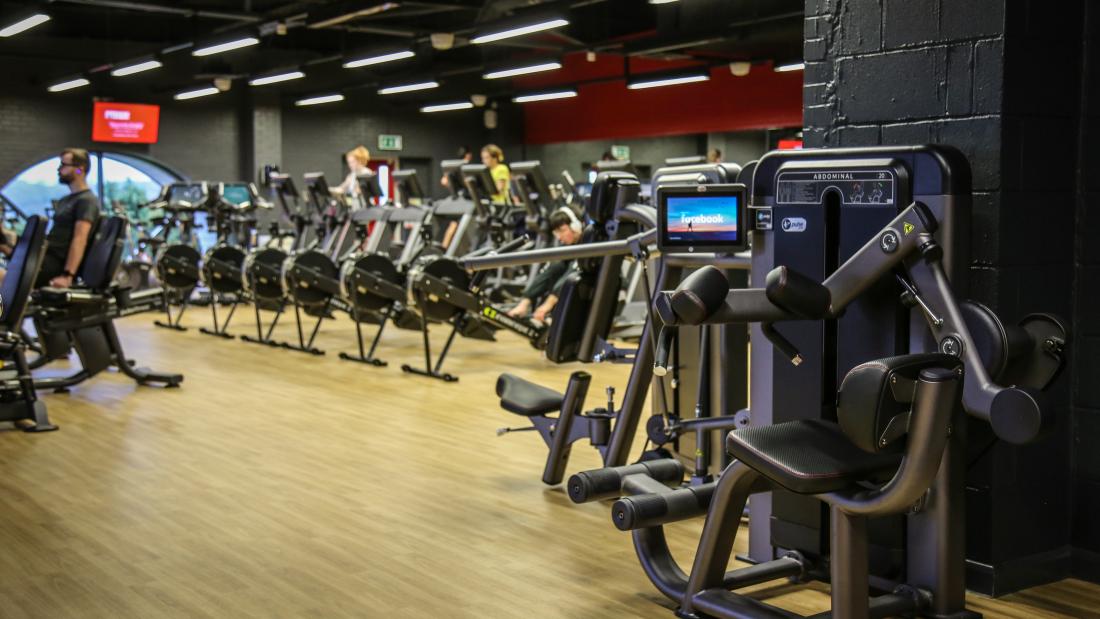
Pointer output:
x,y
873,380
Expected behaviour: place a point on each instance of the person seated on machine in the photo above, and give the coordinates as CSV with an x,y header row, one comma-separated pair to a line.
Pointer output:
x,y
547,283
357,159
73,217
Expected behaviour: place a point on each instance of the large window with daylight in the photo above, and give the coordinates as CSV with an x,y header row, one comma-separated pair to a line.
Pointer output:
x,y
122,182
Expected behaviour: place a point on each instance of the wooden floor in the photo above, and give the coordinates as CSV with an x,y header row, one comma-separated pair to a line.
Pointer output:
x,y
276,484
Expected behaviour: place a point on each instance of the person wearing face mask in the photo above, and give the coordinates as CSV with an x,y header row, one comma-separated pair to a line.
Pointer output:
x,y
567,230
73,217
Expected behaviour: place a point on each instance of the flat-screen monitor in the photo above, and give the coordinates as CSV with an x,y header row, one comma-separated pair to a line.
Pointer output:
x,y
369,186
701,218
132,123
283,184
452,170
479,180
186,196
528,176
408,184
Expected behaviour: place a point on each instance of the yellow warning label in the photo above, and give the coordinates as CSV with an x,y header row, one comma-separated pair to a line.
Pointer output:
x,y
907,227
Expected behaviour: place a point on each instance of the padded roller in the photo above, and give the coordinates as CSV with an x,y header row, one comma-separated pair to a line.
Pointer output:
x,y
1017,416
797,293
650,510
698,297
607,483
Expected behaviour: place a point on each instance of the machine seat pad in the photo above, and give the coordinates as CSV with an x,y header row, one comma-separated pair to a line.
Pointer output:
x,y
524,397
808,456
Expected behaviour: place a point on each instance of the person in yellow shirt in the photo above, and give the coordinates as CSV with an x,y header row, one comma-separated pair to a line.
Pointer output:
x,y
493,158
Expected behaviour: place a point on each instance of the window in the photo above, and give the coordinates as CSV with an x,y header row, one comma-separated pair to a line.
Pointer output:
x,y
122,182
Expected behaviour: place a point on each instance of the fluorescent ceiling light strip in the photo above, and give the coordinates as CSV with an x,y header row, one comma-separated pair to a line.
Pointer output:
x,y
225,47
545,96
69,85
662,1
446,107
194,94
273,79
668,81
520,31
794,66
362,62
392,90
535,68
319,100
136,68
24,24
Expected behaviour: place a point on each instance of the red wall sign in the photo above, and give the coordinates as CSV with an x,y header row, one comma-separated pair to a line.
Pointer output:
x,y
125,122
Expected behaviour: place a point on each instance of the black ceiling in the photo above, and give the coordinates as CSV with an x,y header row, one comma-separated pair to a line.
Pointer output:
x,y
88,37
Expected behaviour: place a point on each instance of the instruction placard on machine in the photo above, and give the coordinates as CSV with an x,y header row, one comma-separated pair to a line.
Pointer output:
x,y
854,186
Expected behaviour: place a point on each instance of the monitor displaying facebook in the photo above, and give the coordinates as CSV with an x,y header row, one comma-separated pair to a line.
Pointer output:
x,y
703,218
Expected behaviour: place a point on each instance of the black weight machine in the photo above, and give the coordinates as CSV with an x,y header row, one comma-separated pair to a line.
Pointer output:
x,y
609,429
845,446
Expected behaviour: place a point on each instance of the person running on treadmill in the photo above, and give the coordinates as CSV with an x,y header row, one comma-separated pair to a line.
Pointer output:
x,y
466,155
567,230
73,217
357,159
493,158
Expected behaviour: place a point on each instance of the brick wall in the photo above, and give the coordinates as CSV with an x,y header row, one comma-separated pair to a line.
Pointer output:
x,y
1001,81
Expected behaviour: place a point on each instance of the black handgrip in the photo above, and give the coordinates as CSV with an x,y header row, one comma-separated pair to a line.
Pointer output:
x,y
650,510
700,295
797,293
606,483
1017,417
664,347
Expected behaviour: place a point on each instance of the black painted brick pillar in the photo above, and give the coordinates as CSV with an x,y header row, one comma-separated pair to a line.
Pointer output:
x,y
1005,81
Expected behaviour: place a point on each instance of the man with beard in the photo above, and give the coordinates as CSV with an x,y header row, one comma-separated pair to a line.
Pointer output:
x,y
73,217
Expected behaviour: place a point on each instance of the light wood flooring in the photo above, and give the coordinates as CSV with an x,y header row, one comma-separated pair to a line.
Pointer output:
x,y
277,484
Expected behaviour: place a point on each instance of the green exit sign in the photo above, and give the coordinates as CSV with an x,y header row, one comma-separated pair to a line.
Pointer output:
x,y
389,142
620,151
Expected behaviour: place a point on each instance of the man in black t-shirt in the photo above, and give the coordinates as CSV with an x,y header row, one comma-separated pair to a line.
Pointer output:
x,y
73,217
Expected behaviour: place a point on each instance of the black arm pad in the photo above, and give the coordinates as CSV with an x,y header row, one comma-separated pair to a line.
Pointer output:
x,y
1017,416
797,293
700,295
650,510
607,483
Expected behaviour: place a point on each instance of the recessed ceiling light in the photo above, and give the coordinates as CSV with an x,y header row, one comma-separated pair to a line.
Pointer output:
x,y
195,94
274,79
520,31
225,47
69,85
392,90
447,107
148,65
319,100
535,68
545,96
378,59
